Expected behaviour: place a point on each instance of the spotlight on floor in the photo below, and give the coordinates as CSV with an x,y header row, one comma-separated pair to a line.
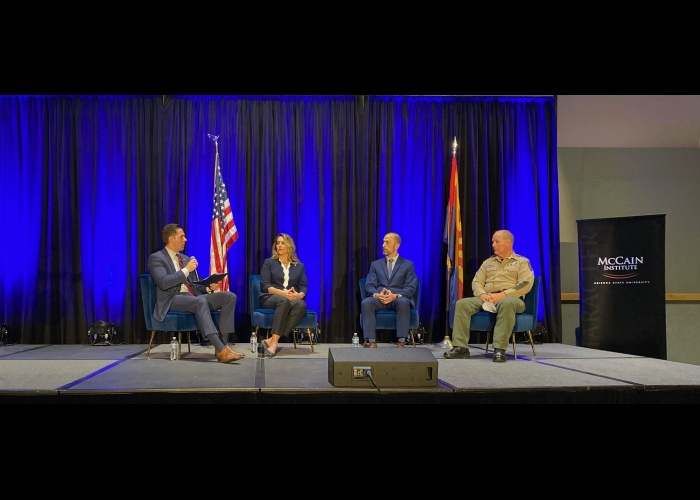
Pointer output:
x,y
102,333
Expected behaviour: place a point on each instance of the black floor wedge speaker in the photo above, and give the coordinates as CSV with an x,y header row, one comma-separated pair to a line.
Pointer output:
x,y
387,366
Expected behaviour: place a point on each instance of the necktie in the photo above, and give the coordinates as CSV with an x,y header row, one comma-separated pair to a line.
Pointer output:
x,y
187,281
391,266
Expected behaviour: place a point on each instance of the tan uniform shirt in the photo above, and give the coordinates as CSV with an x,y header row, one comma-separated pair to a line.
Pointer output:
x,y
512,275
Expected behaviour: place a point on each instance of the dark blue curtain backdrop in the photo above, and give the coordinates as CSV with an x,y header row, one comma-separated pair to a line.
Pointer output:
x,y
88,182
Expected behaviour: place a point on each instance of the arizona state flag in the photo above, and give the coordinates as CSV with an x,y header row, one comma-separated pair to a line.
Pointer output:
x,y
453,238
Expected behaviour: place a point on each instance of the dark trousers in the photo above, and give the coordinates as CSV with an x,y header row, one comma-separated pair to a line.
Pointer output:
x,y
287,315
370,305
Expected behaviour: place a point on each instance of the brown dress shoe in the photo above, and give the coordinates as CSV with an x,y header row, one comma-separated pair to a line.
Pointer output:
x,y
371,344
227,355
401,344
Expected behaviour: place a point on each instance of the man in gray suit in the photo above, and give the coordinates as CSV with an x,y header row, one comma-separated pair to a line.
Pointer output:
x,y
391,284
171,271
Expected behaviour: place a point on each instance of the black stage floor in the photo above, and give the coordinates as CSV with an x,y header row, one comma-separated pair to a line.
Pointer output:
x,y
124,374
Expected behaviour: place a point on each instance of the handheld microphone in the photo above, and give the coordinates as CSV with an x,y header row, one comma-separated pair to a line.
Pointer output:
x,y
196,274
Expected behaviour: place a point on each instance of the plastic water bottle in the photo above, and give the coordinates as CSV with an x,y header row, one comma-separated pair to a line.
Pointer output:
x,y
173,349
355,340
253,341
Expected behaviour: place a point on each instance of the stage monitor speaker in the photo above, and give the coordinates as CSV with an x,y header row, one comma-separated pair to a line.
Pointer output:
x,y
388,367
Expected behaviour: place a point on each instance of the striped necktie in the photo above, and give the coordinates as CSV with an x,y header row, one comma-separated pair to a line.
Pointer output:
x,y
391,266
187,281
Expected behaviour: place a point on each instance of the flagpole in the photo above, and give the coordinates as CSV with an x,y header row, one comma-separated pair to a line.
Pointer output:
x,y
223,228
212,266
446,343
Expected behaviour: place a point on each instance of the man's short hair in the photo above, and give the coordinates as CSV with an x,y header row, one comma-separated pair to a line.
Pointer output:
x,y
170,230
396,236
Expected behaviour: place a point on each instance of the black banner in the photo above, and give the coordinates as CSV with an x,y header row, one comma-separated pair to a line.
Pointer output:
x,y
622,284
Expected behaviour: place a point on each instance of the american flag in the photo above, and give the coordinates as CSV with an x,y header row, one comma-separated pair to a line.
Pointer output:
x,y
223,228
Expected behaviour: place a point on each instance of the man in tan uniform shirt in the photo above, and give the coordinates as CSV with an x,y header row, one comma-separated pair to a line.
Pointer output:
x,y
501,283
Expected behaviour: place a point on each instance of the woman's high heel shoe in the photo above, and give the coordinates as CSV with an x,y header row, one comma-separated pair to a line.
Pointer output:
x,y
267,352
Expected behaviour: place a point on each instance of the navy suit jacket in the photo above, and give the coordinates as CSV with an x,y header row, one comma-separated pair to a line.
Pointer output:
x,y
272,275
403,280
168,280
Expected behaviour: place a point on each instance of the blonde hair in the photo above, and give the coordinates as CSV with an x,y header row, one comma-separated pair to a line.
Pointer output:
x,y
289,243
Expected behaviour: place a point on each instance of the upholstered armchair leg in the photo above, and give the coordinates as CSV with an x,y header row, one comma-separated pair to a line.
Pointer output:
x,y
515,354
148,353
532,343
179,345
294,337
488,334
311,339
189,343
413,339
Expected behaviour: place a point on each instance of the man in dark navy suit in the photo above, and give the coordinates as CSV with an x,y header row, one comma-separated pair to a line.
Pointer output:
x,y
391,284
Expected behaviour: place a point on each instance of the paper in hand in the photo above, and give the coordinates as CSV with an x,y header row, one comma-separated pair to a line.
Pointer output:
x,y
489,306
214,278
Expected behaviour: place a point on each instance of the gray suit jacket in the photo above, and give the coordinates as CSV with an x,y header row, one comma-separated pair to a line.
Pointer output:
x,y
168,280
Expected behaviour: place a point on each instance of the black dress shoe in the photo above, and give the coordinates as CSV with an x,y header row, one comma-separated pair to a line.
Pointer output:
x,y
458,353
499,356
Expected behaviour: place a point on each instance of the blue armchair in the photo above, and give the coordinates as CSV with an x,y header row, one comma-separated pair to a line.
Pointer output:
x,y
526,321
174,321
261,317
386,320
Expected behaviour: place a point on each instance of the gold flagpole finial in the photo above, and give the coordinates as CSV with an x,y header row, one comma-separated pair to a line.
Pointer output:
x,y
454,146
